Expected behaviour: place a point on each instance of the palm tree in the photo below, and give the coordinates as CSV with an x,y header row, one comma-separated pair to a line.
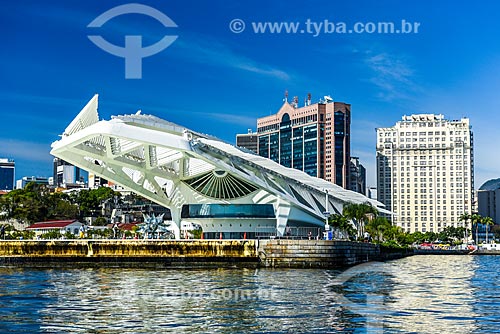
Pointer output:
x,y
487,221
378,228
359,213
476,219
341,223
465,217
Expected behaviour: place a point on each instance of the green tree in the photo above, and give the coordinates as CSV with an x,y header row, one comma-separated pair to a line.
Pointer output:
x,y
394,233
342,224
54,234
451,234
487,221
15,235
418,237
379,227
90,201
59,207
36,203
359,213
100,221
26,205
465,217
496,231
475,221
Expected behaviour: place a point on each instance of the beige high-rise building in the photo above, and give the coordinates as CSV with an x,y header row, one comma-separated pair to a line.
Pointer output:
x,y
425,171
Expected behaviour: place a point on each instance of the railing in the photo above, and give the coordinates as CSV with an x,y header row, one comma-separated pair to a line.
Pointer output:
x,y
304,233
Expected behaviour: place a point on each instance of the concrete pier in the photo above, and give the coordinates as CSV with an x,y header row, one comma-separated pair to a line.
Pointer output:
x,y
315,253
136,253
277,253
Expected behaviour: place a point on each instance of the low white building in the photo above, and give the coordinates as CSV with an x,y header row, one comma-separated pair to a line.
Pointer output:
x,y
63,226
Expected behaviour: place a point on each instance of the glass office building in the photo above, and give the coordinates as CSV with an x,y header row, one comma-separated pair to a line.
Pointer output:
x,y
7,174
314,138
248,140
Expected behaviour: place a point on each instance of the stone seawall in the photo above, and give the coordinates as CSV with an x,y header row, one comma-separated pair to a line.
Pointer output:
x,y
143,253
315,253
203,253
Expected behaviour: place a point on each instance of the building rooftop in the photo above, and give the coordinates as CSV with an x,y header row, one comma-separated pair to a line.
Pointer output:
x,y
492,184
52,224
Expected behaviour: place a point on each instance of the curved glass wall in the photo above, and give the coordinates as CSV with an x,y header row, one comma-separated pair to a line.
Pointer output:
x,y
228,211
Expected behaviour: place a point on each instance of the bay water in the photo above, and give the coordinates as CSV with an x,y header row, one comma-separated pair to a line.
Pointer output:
x,y
418,294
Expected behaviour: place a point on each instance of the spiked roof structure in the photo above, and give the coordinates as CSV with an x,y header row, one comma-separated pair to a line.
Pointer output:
x,y
174,166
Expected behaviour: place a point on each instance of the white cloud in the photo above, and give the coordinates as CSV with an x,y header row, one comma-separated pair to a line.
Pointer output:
x,y
363,131
38,99
392,75
214,53
230,118
18,149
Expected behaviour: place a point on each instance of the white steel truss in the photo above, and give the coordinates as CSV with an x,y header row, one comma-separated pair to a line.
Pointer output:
x,y
173,166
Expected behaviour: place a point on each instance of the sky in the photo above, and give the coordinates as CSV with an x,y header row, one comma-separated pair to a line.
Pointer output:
x,y
216,79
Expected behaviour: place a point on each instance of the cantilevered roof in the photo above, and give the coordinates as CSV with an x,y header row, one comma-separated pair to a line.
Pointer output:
x,y
173,165
293,176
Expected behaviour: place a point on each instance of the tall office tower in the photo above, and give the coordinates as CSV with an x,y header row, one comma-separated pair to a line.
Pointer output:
x,y
65,174
7,174
314,138
488,200
425,171
357,176
247,140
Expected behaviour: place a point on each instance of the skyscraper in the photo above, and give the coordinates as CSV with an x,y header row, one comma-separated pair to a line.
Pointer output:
x,y
65,174
425,171
247,140
488,200
314,138
7,174
357,176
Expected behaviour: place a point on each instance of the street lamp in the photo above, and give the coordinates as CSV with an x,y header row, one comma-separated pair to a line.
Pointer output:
x,y
327,214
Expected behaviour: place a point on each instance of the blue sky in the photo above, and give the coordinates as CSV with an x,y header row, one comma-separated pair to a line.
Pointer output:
x,y
218,82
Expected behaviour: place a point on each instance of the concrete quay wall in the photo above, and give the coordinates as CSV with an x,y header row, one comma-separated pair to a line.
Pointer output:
x,y
278,253
134,253
315,253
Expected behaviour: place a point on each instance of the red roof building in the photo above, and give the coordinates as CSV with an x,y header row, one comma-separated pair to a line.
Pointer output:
x,y
71,226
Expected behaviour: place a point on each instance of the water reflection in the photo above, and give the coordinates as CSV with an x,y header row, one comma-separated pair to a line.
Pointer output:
x,y
420,294
432,293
